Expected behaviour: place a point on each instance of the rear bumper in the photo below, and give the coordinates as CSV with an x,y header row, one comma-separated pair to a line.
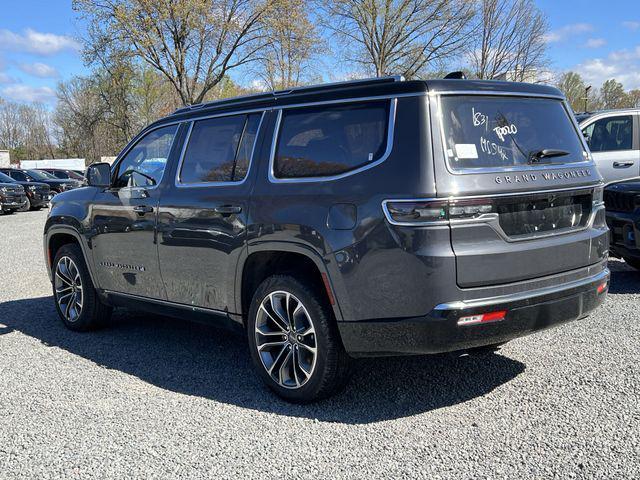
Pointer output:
x,y
624,234
39,199
439,331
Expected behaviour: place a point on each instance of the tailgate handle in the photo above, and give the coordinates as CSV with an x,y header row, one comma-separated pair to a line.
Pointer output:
x,y
622,164
228,209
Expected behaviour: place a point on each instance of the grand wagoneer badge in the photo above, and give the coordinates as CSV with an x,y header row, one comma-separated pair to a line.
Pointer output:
x,y
545,176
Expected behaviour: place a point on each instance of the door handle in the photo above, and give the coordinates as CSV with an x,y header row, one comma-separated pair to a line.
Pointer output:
x,y
622,164
142,209
228,209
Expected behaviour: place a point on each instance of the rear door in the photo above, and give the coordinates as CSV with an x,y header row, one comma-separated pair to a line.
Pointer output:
x,y
202,220
614,143
520,187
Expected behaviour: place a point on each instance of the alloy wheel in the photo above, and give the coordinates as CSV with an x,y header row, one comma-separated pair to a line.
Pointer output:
x,y
286,339
68,288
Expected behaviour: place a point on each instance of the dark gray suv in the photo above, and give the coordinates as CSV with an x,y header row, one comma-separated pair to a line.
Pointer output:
x,y
368,218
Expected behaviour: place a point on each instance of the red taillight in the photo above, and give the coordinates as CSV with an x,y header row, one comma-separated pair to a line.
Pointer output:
x,y
430,212
483,318
602,287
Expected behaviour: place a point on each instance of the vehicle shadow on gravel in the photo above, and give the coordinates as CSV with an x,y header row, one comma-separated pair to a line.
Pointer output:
x,y
624,279
207,362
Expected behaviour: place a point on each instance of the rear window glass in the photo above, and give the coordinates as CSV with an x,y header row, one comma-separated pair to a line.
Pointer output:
x,y
493,132
329,140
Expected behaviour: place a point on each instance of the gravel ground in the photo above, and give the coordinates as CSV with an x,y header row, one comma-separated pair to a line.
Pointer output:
x,y
154,397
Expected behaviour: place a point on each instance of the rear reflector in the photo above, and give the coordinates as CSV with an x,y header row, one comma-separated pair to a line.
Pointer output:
x,y
483,318
602,287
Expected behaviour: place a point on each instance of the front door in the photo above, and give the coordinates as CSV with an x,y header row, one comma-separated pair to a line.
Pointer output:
x,y
203,215
123,218
613,141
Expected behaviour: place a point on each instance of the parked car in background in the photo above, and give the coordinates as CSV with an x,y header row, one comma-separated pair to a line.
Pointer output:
x,y
368,218
613,137
64,174
36,176
623,217
12,196
37,194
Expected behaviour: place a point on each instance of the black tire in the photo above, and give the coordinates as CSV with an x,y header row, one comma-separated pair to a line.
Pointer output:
x,y
332,366
633,262
27,206
93,313
8,212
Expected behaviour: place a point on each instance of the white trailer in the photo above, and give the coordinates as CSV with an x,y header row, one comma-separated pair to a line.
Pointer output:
x,y
65,163
5,160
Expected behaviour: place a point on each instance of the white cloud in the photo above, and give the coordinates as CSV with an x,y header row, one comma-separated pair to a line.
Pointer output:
x,y
5,78
567,31
631,25
623,65
38,69
25,93
32,41
596,43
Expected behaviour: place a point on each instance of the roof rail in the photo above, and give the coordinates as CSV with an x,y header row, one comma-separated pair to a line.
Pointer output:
x,y
279,93
346,83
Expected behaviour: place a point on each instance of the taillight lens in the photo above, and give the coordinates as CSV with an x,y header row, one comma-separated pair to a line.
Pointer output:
x,y
470,208
417,212
436,211
598,196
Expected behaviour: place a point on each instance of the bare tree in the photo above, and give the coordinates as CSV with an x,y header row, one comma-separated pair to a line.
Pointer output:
x,y
511,42
193,43
405,37
292,43
26,130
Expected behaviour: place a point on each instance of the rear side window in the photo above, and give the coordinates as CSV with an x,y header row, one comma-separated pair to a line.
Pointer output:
x,y
610,134
330,140
219,149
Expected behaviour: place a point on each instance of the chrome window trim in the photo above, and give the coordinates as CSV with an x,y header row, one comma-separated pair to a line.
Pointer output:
x,y
514,297
133,143
180,184
519,168
389,147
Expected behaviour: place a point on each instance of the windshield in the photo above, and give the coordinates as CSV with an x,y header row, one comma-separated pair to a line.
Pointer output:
x,y
40,175
483,131
6,178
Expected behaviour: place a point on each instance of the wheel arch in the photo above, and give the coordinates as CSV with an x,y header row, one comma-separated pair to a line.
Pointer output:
x,y
56,237
262,261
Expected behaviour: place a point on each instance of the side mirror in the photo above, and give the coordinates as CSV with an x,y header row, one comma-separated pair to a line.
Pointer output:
x,y
99,175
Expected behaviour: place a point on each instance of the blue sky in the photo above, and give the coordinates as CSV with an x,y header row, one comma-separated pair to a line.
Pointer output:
x,y
39,47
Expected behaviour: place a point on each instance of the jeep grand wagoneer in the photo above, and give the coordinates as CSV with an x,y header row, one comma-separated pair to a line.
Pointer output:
x,y
376,217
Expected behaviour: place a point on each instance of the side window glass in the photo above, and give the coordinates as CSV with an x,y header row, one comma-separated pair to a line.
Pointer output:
x,y
610,134
145,163
19,176
211,153
329,140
